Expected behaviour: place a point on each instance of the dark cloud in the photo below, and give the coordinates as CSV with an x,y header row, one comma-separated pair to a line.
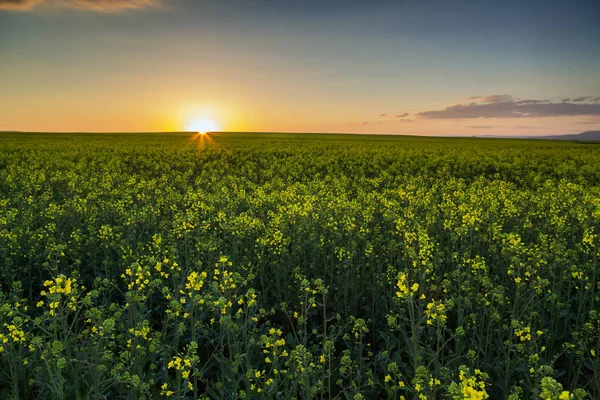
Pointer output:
x,y
587,98
402,115
533,101
105,6
382,115
507,106
583,98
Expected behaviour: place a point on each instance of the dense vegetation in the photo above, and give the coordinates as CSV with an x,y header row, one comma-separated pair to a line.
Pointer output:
x,y
298,266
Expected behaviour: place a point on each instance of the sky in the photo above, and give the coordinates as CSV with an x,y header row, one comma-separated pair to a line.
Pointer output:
x,y
423,67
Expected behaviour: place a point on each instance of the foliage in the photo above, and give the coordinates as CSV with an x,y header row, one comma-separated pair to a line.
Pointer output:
x,y
298,266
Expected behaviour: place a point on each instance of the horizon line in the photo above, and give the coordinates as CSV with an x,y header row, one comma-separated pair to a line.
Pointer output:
x,y
449,135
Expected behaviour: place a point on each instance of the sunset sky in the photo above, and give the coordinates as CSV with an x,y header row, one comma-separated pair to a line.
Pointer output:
x,y
430,67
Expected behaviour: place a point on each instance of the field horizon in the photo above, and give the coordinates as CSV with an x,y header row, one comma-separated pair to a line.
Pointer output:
x,y
583,136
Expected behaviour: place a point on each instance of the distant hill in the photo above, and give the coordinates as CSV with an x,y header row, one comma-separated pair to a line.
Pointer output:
x,y
589,135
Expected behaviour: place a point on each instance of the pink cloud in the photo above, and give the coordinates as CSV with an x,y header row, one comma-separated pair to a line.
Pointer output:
x,y
103,6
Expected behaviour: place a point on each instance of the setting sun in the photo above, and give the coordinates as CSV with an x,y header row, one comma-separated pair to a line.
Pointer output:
x,y
202,125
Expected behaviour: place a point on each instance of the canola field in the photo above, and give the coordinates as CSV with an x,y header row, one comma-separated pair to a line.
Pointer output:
x,y
280,266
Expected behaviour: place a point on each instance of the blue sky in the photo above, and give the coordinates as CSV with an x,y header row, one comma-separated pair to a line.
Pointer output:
x,y
298,65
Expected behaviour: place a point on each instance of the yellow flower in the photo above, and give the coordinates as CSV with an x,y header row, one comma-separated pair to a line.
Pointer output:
x,y
436,312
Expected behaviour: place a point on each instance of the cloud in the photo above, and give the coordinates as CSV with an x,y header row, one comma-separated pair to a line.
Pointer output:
x,y
587,98
496,98
507,106
481,127
19,5
493,98
380,122
533,101
382,115
589,122
402,115
103,6
529,127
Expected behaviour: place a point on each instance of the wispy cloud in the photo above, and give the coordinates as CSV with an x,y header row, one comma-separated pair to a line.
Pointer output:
x,y
507,106
589,122
103,6
493,98
481,127
381,122
529,127
587,98
19,5
402,115
382,115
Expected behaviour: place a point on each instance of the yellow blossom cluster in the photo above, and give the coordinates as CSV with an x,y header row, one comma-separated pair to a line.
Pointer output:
x,y
165,391
59,289
403,287
524,334
139,277
273,345
183,365
195,281
159,268
435,312
193,284
14,332
141,332
223,276
470,386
